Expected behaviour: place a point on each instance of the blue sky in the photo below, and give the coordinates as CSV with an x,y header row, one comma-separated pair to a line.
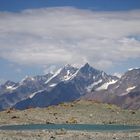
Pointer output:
x,y
18,5
39,35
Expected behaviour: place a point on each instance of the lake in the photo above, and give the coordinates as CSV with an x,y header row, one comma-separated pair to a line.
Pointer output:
x,y
80,127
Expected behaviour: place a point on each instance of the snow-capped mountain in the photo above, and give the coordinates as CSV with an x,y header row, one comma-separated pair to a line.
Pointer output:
x,y
63,74
89,79
127,83
125,92
11,92
67,84
8,86
70,83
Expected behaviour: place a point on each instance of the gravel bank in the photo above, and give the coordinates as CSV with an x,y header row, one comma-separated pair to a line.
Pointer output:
x,y
67,135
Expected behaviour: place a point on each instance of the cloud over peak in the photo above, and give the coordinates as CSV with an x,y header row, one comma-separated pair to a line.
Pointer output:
x,y
69,35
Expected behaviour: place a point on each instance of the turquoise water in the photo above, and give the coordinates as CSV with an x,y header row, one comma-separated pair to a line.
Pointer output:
x,y
80,127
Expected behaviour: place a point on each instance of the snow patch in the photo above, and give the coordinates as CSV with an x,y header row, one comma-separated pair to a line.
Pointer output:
x,y
53,85
133,69
125,93
90,87
73,75
11,87
98,82
105,85
94,77
117,86
33,94
130,88
68,76
56,73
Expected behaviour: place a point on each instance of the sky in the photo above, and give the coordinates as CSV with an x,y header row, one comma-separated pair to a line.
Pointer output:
x,y
38,36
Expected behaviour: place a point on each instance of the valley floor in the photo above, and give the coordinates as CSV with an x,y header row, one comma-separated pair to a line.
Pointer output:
x,y
86,112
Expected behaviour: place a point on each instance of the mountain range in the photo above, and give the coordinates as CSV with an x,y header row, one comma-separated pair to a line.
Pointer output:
x,y
69,84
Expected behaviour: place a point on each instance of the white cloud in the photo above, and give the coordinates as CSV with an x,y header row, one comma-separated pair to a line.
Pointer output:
x,y
69,35
50,69
118,75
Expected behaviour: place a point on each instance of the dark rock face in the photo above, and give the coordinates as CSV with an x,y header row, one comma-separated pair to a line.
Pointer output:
x,y
63,92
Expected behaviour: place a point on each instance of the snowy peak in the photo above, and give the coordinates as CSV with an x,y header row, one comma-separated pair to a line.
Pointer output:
x,y
82,77
90,78
131,69
68,69
62,74
88,73
8,86
9,83
87,69
27,79
67,72
39,79
86,66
